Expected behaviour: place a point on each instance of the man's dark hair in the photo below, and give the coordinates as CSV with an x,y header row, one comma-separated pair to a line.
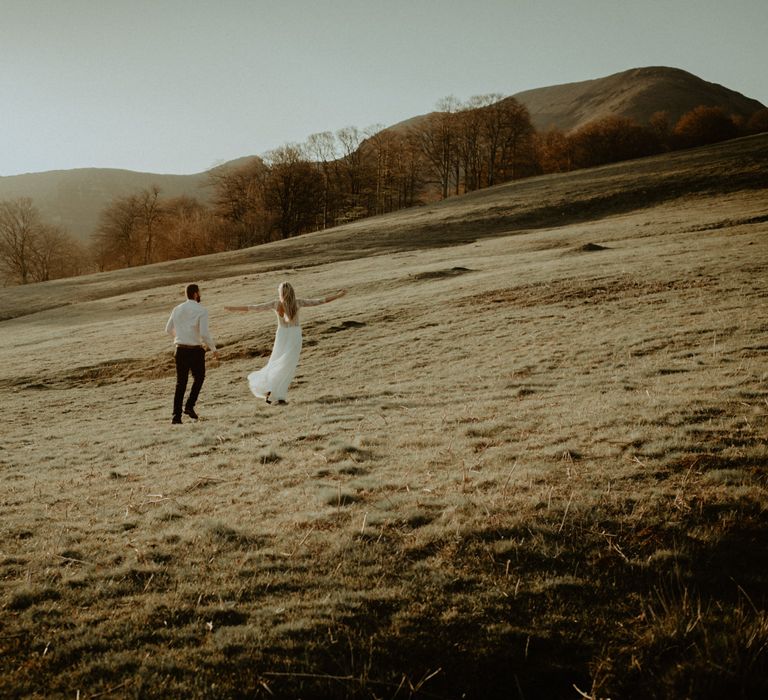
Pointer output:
x,y
191,290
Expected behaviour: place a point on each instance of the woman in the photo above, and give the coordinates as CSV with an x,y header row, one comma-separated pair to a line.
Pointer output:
x,y
271,382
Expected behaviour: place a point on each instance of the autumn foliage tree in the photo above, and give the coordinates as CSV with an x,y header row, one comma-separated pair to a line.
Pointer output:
x,y
758,122
610,140
554,152
704,125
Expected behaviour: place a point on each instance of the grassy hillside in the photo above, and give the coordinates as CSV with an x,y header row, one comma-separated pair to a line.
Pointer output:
x,y
524,457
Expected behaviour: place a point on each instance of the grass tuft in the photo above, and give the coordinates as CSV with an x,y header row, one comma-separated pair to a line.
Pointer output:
x,y
27,596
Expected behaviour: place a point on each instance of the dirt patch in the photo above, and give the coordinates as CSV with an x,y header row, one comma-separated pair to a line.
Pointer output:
x,y
589,248
441,274
594,291
344,326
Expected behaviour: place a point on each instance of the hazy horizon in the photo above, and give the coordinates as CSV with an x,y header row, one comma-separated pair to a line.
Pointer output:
x,y
177,89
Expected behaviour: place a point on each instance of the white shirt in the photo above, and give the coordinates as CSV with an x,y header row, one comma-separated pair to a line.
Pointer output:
x,y
189,324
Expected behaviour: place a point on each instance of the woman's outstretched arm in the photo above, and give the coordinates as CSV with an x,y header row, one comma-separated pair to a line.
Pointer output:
x,y
322,300
266,306
335,295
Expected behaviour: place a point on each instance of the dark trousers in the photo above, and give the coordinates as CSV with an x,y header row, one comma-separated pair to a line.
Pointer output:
x,y
188,360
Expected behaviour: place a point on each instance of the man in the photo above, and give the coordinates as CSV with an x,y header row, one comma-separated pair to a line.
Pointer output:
x,y
189,326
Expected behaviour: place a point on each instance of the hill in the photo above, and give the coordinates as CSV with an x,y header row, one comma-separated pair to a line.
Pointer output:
x,y
75,198
637,94
526,455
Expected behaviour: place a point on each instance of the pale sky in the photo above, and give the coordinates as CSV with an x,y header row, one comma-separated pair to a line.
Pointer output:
x,y
178,86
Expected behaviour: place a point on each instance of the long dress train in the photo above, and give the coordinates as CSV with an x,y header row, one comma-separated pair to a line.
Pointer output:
x,y
275,377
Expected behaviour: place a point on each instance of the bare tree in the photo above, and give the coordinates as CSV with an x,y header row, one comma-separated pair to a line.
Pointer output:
x,y
351,159
77,259
33,251
323,149
517,153
292,191
20,229
382,146
239,203
436,138
151,214
506,136
118,236
189,229
51,253
469,144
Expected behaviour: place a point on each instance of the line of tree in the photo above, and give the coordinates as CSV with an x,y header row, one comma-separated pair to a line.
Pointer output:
x,y
335,178
613,139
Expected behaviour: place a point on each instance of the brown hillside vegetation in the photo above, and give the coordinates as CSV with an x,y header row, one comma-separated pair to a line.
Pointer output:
x,y
525,457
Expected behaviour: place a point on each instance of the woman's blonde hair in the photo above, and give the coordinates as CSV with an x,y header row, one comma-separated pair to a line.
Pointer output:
x,y
288,300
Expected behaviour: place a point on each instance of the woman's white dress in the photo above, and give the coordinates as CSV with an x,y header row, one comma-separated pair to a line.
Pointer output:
x,y
274,378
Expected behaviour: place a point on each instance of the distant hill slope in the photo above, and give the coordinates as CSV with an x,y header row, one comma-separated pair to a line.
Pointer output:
x,y
75,198
636,93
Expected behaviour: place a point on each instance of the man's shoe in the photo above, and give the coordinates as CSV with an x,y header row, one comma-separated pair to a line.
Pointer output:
x,y
191,413
176,420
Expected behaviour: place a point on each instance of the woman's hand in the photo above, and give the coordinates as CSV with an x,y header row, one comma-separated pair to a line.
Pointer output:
x,y
336,295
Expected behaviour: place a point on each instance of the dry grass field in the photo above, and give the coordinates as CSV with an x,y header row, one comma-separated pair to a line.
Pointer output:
x,y
525,457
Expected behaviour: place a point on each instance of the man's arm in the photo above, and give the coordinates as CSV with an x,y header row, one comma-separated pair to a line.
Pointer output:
x,y
170,329
205,334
